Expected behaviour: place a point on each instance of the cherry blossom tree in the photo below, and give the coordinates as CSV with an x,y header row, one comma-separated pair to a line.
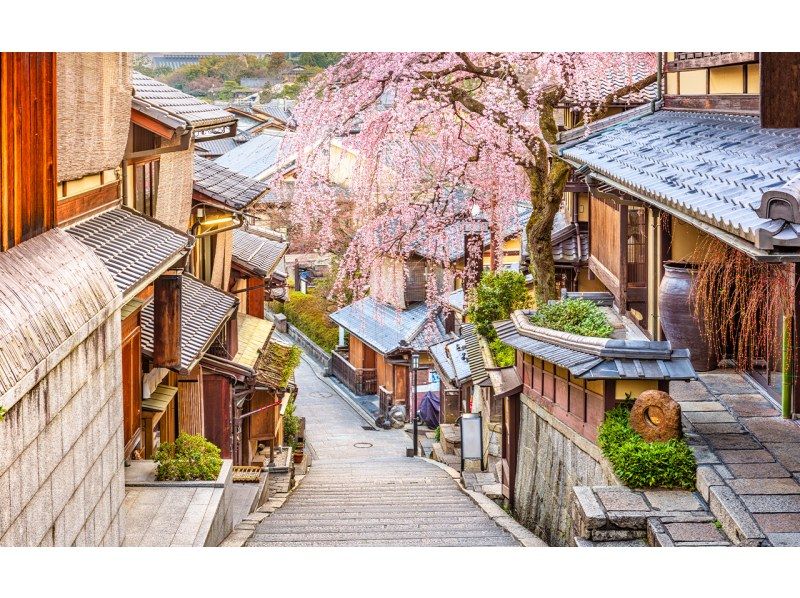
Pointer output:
x,y
439,140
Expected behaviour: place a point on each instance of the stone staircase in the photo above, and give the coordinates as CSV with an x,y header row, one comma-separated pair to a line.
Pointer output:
x,y
380,502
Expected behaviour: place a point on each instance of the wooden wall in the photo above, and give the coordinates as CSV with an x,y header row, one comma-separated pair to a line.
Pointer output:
x,y
255,297
604,241
361,355
131,382
217,412
190,402
27,145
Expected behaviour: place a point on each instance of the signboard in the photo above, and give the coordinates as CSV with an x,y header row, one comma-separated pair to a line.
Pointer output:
x,y
471,436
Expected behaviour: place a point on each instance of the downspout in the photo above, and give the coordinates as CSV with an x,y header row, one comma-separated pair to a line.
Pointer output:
x,y
659,78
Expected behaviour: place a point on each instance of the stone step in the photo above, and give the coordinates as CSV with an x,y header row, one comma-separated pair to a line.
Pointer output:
x,y
335,526
583,543
737,523
455,542
389,535
373,518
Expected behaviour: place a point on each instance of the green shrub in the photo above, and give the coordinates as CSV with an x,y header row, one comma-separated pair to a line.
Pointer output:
x,y
2,412
641,464
578,316
437,434
496,296
503,354
190,457
291,425
309,314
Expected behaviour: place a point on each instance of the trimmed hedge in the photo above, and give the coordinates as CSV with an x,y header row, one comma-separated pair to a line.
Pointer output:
x,y
309,313
190,457
578,316
641,464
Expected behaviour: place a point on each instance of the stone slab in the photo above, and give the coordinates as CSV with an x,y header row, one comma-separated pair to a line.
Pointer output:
x,y
745,456
784,539
590,512
786,453
703,454
778,522
765,486
719,428
736,520
694,532
621,500
725,382
691,406
689,391
758,470
673,500
774,429
772,503
707,477
732,441
749,405
697,417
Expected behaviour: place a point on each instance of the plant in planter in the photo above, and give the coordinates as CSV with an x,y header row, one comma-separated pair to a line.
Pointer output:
x,y
577,316
190,457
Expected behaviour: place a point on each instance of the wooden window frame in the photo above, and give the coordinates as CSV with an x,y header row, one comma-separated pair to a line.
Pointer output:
x,y
146,205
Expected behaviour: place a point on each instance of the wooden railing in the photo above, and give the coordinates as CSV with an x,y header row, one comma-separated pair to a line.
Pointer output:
x,y
360,381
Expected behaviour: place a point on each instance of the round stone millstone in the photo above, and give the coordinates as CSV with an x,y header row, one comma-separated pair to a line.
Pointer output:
x,y
656,416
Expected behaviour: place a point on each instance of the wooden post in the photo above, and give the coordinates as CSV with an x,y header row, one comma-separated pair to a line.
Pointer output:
x,y
167,321
623,259
780,90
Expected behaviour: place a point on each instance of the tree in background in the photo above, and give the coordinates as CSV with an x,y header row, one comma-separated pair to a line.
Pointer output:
x,y
428,125
496,296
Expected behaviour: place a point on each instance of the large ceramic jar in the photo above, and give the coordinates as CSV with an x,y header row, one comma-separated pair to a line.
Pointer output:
x,y
677,320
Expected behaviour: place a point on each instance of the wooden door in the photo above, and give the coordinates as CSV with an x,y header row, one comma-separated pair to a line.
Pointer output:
x,y
217,413
509,445
131,384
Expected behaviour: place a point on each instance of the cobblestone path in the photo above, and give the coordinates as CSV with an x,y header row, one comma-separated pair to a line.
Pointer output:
x,y
362,490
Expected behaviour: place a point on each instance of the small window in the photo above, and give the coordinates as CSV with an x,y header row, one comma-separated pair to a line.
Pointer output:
x,y
145,187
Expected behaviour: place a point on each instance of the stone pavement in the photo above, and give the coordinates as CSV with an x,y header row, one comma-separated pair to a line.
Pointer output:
x,y
748,458
362,490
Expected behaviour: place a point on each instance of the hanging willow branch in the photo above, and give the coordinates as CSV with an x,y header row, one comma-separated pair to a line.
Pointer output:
x,y
740,302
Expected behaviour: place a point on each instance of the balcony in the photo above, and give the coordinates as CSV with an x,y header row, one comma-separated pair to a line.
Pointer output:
x,y
359,381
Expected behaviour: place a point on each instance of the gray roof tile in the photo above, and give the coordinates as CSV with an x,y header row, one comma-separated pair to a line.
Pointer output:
x,y
204,310
230,188
714,167
196,112
133,247
384,328
254,157
257,251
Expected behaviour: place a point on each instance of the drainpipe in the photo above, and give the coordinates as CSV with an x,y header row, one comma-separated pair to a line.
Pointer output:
x,y
786,375
659,77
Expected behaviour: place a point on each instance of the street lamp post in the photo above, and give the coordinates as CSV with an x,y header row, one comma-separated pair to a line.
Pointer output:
x,y
415,413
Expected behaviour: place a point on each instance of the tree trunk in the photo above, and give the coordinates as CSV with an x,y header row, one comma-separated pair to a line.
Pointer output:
x,y
546,200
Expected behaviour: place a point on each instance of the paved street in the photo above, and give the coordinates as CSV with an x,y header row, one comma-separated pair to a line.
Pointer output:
x,y
363,491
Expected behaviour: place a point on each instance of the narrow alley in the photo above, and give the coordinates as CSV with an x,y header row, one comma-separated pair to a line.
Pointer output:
x,y
362,490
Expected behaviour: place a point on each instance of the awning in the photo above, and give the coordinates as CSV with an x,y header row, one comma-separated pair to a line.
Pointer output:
x,y
257,251
216,183
136,249
160,398
204,311
274,368
253,335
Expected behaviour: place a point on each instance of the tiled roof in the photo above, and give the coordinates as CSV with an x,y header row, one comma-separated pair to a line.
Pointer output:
x,y
132,247
256,251
279,110
252,336
253,158
204,310
214,148
617,79
230,188
477,365
712,167
451,356
271,369
197,113
385,328
595,358
566,251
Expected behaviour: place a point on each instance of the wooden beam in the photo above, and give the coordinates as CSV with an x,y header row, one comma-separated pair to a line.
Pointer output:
x,y
167,321
151,124
605,276
87,203
732,103
708,60
623,259
780,90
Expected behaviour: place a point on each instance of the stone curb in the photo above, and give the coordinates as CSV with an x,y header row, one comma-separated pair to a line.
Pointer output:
x,y
519,532
245,529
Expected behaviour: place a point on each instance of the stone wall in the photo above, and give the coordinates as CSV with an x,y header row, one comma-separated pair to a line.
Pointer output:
x,y
552,459
61,462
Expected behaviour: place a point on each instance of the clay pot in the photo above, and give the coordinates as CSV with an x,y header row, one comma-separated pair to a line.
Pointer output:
x,y
677,320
